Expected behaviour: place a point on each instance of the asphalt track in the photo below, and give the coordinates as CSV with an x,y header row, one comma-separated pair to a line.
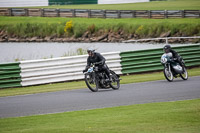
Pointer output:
x,y
84,99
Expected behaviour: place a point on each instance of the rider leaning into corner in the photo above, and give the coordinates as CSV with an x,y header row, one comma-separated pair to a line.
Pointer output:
x,y
176,57
98,60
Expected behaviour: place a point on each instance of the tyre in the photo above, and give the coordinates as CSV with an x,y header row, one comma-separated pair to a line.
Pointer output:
x,y
115,83
91,82
168,74
184,75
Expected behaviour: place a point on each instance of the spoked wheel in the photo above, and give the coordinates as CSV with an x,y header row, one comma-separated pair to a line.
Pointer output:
x,y
91,82
184,75
168,74
115,80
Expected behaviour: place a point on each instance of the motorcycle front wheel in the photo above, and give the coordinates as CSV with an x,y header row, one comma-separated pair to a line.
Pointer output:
x,y
168,74
184,75
115,83
91,82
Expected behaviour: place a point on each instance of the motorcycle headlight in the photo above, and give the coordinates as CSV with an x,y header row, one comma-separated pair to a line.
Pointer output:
x,y
163,60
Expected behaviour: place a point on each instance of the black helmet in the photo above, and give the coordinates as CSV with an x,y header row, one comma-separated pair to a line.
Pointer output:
x,y
167,47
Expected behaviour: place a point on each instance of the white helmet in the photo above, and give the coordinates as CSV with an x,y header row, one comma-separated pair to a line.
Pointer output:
x,y
90,50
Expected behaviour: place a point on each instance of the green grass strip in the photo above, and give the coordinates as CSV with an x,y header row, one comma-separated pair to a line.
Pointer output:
x,y
165,117
134,78
144,28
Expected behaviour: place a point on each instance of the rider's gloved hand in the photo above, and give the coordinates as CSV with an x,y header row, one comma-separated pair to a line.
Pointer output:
x,y
84,70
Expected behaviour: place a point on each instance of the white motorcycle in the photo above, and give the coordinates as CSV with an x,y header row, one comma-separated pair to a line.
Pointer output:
x,y
172,68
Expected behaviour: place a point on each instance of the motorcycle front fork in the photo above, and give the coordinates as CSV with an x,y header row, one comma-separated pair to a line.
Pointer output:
x,y
168,67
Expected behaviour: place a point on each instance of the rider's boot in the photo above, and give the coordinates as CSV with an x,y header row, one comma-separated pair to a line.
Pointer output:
x,y
109,79
175,75
108,75
183,66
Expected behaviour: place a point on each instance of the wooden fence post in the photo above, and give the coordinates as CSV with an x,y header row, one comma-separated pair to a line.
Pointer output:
x,y
149,13
89,13
119,14
183,13
199,13
166,14
10,11
133,14
104,13
26,12
58,12
42,12
73,13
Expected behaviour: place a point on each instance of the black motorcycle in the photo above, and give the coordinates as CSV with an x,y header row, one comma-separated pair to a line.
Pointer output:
x,y
97,79
172,68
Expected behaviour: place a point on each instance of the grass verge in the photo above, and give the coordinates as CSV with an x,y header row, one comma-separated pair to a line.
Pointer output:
x,y
135,78
23,27
173,117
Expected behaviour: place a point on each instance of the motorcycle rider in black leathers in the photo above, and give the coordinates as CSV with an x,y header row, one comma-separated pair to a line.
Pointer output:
x,y
175,55
98,60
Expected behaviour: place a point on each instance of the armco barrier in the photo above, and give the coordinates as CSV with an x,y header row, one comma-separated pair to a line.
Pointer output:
x,y
10,75
149,60
35,72
61,69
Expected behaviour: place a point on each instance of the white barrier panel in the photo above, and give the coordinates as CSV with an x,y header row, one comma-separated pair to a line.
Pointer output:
x,y
120,1
61,69
23,3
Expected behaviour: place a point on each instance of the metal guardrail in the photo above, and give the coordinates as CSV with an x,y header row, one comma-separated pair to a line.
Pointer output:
x,y
61,69
164,38
10,75
100,13
149,60
34,72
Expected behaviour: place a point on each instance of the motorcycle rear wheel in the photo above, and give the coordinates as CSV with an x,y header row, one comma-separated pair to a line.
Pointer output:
x,y
115,83
91,82
168,74
184,76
